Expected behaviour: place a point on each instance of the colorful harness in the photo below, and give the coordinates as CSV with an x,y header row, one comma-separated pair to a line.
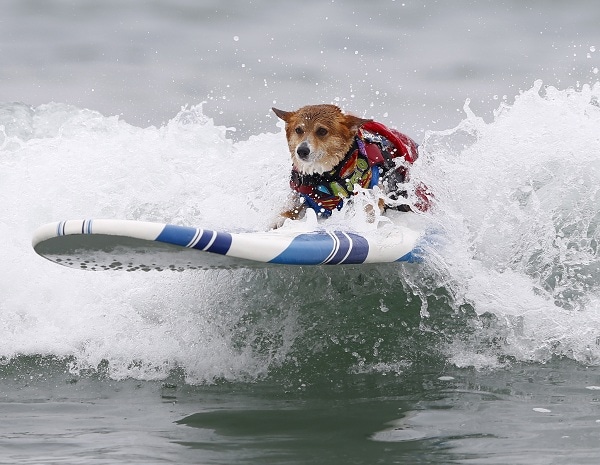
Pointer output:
x,y
370,158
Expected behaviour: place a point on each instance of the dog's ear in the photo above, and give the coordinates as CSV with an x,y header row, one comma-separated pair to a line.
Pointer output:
x,y
354,122
284,115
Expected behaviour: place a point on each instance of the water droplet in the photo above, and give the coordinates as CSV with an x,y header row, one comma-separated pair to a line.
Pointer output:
x,y
383,307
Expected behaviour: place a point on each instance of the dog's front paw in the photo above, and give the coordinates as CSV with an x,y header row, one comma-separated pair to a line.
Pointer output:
x,y
292,214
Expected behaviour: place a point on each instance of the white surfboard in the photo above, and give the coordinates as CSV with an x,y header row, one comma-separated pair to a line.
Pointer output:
x,y
105,244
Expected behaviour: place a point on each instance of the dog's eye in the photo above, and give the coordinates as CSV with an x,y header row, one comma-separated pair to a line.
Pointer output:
x,y
321,132
299,131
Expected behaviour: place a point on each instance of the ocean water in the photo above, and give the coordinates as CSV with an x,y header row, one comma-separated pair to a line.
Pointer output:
x,y
487,352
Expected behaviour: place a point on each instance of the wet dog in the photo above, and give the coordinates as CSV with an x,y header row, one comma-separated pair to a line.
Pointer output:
x,y
334,154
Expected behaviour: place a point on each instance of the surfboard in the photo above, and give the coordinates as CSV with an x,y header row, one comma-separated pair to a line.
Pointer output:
x,y
112,244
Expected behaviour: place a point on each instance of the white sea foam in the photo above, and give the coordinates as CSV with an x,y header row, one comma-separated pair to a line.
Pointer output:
x,y
59,162
518,199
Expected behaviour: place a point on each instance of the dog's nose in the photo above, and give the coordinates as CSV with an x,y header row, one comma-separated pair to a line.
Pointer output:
x,y
303,151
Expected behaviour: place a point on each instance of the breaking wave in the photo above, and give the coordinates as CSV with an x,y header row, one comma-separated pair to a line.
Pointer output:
x,y
515,275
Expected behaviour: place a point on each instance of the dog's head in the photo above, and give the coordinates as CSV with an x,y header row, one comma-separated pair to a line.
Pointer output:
x,y
319,136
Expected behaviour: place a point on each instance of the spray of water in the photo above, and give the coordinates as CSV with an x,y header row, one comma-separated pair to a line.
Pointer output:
x,y
512,275
518,202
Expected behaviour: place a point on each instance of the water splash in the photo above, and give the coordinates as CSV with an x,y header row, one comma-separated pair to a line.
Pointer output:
x,y
518,201
514,275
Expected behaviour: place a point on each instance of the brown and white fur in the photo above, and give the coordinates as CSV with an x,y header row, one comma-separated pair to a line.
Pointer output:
x,y
319,137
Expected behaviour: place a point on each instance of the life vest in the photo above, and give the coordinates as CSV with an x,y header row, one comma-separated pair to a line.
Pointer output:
x,y
369,160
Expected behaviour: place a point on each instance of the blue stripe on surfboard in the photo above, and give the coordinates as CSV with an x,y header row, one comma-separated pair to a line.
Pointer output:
x,y
212,241
431,238
340,250
352,249
178,235
221,244
60,230
307,249
86,227
203,239
414,256
332,249
410,258
359,251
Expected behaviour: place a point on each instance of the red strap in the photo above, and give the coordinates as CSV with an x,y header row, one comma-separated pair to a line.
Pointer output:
x,y
402,142
408,149
374,155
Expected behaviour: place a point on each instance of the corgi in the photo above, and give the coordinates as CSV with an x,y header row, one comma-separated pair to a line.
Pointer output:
x,y
332,152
